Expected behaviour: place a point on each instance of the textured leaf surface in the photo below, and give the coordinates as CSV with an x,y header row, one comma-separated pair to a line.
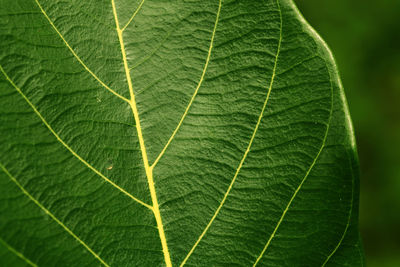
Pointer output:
x,y
171,133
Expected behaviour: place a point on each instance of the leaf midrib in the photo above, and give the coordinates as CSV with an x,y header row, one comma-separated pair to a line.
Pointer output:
x,y
148,169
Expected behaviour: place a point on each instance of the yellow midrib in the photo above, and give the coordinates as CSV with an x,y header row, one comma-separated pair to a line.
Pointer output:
x,y
148,169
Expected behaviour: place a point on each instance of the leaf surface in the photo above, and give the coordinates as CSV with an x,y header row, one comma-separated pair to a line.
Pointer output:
x,y
172,133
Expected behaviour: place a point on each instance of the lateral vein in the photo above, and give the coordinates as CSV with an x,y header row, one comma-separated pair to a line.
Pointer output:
x,y
52,216
348,221
196,90
17,253
290,202
67,146
148,169
133,16
312,164
245,153
76,56
293,196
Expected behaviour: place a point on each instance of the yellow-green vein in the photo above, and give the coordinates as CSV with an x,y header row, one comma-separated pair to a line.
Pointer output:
x,y
349,125
65,144
245,153
52,216
148,170
348,218
18,254
293,197
301,183
76,56
195,91
133,16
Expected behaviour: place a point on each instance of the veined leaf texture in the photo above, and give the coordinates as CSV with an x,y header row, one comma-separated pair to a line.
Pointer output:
x,y
172,133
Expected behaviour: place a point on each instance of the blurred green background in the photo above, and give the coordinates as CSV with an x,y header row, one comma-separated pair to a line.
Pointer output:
x,y
364,36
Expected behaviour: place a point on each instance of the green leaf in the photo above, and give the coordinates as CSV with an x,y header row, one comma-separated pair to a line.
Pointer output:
x,y
171,133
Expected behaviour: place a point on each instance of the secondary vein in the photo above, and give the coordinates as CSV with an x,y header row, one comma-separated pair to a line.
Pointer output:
x,y
196,90
66,145
69,231
76,56
245,153
316,157
133,16
294,196
17,253
348,219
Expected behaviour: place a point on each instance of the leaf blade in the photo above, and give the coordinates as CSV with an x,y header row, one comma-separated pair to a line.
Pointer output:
x,y
199,214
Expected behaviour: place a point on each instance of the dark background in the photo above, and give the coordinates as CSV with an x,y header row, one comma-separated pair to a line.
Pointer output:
x,y
364,36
